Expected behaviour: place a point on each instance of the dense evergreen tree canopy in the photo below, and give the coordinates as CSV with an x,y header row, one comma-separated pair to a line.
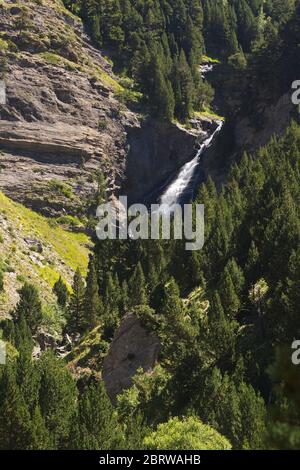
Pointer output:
x,y
161,43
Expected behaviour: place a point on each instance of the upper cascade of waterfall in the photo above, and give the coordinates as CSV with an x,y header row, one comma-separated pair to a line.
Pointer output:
x,y
206,68
178,186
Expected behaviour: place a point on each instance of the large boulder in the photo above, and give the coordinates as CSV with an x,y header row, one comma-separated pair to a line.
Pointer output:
x,y
132,348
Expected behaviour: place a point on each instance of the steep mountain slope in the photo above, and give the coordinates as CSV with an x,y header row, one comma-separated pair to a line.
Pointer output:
x,y
33,250
66,117
61,120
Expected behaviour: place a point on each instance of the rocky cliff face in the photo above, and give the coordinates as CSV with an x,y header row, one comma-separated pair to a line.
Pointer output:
x,y
157,150
132,348
254,113
253,132
64,118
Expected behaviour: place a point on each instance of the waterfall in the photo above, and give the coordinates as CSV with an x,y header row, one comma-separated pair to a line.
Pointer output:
x,y
174,192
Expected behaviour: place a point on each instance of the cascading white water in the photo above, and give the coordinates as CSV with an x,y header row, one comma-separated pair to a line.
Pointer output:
x,y
175,190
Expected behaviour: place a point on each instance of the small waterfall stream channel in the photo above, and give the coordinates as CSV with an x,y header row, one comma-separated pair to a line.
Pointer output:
x,y
181,188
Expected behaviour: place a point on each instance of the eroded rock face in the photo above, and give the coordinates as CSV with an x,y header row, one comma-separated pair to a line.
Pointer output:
x,y
132,348
159,149
254,112
273,120
61,120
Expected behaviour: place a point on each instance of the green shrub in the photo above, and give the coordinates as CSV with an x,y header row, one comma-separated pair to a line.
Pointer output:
x,y
186,434
61,188
102,125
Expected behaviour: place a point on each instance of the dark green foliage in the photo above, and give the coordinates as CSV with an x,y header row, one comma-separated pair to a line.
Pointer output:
x,y
40,409
147,39
112,305
93,307
249,272
234,409
14,414
221,330
284,423
97,427
41,438
184,87
160,43
57,397
61,291
137,288
21,335
75,311
1,281
29,306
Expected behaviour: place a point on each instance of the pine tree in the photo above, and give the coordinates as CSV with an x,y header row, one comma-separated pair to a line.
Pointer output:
x,y
284,416
76,310
230,300
184,88
135,432
246,23
93,306
137,287
221,333
28,379
162,95
111,306
58,396
253,413
92,12
252,266
97,427
236,274
30,306
40,437
15,421
173,332
61,291
124,298
234,409
22,336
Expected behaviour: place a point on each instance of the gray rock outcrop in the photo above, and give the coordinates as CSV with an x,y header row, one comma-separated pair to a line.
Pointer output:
x,y
132,348
64,120
157,150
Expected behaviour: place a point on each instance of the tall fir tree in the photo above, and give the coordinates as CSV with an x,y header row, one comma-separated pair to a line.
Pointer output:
x,y
30,306
93,305
97,426
76,307
137,287
61,291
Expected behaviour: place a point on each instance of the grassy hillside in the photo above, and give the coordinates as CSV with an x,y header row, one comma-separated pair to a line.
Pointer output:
x,y
35,249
